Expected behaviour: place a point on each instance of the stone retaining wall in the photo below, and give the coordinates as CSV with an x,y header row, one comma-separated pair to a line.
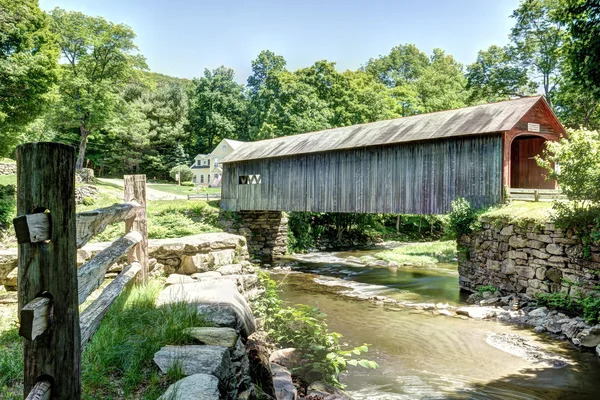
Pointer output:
x,y
8,169
529,259
266,231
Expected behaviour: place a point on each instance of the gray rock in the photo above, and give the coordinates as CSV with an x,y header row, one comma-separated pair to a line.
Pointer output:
x,y
538,312
194,387
217,300
282,380
598,350
289,358
477,312
223,257
492,301
554,249
216,336
590,337
206,275
211,360
230,269
539,329
325,391
174,279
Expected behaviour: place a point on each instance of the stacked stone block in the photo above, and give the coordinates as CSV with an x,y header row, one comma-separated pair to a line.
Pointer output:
x,y
265,231
526,259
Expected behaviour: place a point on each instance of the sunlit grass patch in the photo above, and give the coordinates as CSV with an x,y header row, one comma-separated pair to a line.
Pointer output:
x,y
421,253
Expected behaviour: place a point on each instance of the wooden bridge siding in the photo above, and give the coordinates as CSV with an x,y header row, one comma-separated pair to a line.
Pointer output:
x,y
415,178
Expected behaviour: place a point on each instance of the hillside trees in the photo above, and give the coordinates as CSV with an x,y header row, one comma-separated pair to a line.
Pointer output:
x,y
100,58
28,68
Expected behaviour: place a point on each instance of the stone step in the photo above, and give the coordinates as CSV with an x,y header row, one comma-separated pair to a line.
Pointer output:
x,y
194,387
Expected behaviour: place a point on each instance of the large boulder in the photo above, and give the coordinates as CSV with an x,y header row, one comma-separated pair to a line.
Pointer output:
x,y
194,387
217,300
282,380
216,336
211,360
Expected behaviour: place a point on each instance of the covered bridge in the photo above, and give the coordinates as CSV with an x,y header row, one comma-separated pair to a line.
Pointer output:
x,y
415,165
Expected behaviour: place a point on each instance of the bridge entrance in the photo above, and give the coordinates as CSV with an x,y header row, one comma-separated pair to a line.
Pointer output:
x,y
525,173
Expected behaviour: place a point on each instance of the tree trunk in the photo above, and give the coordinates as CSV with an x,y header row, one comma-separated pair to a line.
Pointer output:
x,y
82,146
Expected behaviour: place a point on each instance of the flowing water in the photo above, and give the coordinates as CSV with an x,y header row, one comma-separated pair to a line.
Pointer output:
x,y
425,356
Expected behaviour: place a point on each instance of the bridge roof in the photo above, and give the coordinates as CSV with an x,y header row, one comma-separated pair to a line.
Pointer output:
x,y
475,120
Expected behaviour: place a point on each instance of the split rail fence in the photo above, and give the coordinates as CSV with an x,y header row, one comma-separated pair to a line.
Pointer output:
x,y
50,286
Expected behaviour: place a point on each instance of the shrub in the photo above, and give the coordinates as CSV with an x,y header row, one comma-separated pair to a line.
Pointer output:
x,y
462,217
187,183
185,173
487,288
89,201
8,207
304,327
586,305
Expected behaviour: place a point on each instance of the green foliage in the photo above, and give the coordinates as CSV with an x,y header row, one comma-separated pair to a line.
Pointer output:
x,y
462,217
8,205
188,183
578,156
28,68
584,222
421,253
89,201
185,173
304,328
586,305
11,360
117,362
486,288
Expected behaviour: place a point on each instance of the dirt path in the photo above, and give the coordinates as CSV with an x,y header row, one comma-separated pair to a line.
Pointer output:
x,y
151,194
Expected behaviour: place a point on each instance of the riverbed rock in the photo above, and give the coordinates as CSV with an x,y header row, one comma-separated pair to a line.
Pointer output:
x,y
322,390
538,312
572,328
194,387
230,269
217,300
208,359
519,346
282,381
590,337
215,336
477,312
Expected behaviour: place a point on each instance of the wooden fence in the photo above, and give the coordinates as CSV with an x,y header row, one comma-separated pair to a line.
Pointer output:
x,y
535,194
50,285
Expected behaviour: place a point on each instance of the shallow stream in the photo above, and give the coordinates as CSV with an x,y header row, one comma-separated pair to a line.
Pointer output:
x,y
424,356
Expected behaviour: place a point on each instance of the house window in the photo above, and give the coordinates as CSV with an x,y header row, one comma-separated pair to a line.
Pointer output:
x,y
224,147
203,162
201,178
208,178
197,162
216,162
249,180
194,179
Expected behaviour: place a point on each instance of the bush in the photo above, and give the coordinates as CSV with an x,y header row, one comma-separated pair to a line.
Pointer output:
x,y
586,305
8,203
578,156
187,183
462,217
185,173
89,201
304,328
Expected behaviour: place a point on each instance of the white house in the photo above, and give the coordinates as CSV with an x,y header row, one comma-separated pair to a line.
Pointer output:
x,y
207,169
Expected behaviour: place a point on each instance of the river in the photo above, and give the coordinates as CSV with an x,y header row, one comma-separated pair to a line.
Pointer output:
x,y
425,356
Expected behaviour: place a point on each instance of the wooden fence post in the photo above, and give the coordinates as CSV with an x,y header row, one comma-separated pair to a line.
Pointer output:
x,y
135,190
48,268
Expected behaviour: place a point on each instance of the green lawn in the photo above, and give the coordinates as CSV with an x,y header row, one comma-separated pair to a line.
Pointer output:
x,y
521,212
421,253
8,179
181,190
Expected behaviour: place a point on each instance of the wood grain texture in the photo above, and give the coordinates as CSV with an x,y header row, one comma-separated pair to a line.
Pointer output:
x,y
41,391
91,223
32,228
413,178
92,316
35,317
135,190
91,274
46,179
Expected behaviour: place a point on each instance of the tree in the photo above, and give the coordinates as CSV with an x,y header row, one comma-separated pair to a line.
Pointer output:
x,y
28,68
262,88
582,22
495,76
575,105
100,58
218,109
185,173
404,64
537,40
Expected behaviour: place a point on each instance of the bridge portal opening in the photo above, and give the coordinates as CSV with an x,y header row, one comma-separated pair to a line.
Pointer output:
x,y
524,172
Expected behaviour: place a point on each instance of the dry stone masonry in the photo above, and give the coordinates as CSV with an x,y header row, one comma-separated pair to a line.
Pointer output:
x,y
527,259
266,231
8,169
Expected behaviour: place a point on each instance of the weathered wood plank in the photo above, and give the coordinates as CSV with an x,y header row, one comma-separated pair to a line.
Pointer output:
x,y
91,274
45,180
92,316
32,228
135,190
91,223
41,391
35,317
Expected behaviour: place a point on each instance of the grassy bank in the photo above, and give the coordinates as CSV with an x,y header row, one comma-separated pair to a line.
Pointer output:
x,y
117,362
421,253
182,190
520,213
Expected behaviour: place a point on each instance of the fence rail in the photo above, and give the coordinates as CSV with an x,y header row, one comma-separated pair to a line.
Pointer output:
x,y
535,194
50,287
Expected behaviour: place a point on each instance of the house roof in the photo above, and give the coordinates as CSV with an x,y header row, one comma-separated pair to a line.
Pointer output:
x,y
475,120
234,144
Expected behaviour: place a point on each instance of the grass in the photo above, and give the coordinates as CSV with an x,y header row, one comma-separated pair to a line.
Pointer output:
x,y
4,160
421,253
8,179
117,362
181,190
520,213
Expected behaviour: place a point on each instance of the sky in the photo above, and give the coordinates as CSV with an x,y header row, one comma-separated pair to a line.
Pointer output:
x,y
183,37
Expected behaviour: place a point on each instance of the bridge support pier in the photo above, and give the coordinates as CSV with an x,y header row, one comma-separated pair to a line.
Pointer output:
x,y
265,231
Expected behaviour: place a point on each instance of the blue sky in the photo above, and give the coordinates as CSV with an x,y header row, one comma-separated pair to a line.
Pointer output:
x,y
183,37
